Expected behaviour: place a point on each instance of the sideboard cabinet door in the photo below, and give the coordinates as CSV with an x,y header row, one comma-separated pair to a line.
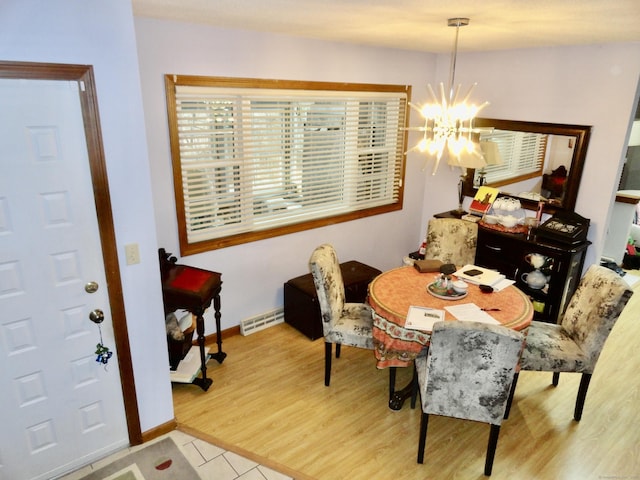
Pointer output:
x,y
511,255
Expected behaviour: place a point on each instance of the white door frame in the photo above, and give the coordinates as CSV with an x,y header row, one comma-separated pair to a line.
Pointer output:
x,y
89,104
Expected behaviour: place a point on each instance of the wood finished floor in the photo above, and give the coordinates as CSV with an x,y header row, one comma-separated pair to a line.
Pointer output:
x,y
268,397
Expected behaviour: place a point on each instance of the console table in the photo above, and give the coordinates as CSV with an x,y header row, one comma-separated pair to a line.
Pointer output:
x,y
193,289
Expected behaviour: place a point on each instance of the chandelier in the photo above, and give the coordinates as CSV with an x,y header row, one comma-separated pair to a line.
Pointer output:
x,y
449,120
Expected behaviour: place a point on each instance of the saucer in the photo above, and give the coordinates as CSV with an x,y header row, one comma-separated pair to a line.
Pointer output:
x,y
447,296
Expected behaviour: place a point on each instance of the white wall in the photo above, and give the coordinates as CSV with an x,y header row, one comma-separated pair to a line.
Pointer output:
x,y
253,274
100,33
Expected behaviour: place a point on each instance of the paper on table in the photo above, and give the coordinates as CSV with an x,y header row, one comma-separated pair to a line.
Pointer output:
x,y
485,277
470,312
502,284
423,318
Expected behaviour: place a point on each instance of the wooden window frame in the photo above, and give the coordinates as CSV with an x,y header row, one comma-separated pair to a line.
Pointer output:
x,y
396,158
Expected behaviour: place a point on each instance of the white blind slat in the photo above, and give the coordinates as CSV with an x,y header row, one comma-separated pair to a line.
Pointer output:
x,y
522,153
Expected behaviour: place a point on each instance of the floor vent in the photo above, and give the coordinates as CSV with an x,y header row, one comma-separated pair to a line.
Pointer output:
x,y
262,321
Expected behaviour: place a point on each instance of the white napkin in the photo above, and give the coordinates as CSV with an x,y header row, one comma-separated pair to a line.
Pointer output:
x,y
470,312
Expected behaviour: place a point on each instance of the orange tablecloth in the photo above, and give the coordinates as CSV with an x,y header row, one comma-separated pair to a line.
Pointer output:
x,y
393,292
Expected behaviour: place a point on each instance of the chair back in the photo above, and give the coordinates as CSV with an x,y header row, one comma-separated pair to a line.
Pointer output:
x,y
327,278
469,370
452,240
594,309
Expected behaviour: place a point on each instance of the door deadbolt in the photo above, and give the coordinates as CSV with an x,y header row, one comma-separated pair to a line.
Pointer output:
x,y
97,316
91,287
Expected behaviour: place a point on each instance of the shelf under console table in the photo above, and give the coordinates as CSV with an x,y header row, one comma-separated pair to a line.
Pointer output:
x,y
193,289
507,253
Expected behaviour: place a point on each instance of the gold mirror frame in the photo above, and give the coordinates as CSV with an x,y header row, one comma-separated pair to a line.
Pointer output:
x,y
580,133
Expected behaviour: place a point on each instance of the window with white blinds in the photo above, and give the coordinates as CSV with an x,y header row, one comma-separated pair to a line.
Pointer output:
x,y
522,155
254,158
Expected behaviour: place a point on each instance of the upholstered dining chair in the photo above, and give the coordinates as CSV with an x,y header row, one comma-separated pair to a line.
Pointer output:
x,y
342,323
575,344
467,374
452,240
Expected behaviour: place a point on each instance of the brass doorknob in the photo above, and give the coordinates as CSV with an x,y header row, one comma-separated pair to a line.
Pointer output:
x,y
97,316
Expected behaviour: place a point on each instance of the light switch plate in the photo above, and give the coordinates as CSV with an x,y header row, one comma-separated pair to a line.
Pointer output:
x,y
132,253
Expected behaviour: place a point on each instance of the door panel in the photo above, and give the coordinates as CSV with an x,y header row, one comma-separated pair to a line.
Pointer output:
x,y
60,407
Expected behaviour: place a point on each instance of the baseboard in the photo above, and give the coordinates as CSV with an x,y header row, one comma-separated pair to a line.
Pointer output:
x,y
159,430
213,338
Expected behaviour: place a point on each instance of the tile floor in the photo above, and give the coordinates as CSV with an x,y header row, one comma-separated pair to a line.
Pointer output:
x,y
211,462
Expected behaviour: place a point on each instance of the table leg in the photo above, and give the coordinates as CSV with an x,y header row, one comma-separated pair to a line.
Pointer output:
x,y
220,355
203,382
398,397
392,381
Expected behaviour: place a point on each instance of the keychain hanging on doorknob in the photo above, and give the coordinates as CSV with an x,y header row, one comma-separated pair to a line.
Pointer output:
x,y
103,353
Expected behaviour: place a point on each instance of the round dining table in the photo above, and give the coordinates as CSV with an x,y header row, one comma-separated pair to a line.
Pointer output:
x,y
392,293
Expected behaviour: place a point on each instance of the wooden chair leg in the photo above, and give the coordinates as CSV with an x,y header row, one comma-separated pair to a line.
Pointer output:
x,y
512,392
327,362
414,387
424,422
338,345
556,378
392,381
491,448
582,395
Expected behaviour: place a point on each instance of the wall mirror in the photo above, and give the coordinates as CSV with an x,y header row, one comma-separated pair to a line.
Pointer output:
x,y
531,161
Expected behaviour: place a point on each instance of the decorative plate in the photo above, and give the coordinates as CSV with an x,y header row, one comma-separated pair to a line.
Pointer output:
x,y
447,296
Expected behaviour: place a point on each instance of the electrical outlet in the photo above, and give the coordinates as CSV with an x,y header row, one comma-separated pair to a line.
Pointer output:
x,y
132,253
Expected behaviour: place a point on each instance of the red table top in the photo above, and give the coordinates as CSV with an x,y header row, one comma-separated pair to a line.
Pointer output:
x,y
189,288
393,292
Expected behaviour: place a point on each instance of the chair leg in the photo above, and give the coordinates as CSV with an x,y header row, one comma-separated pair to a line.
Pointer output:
x,y
414,387
392,381
512,392
327,362
556,378
424,422
338,345
582,395
491,448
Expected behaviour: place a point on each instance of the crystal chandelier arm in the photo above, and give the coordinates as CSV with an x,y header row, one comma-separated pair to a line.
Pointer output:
x,y
444,101
414,106
435,164
469,92
433,94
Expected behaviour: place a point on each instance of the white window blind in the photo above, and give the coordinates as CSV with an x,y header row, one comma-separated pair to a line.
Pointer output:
x,y
254,159
522,153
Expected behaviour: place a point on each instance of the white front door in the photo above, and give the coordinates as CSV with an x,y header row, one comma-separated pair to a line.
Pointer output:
x,y
59,407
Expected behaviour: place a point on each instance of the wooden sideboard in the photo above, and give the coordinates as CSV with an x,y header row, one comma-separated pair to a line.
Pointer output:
x,y
507,252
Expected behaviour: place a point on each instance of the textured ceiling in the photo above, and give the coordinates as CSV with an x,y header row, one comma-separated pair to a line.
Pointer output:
x,y
417,24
